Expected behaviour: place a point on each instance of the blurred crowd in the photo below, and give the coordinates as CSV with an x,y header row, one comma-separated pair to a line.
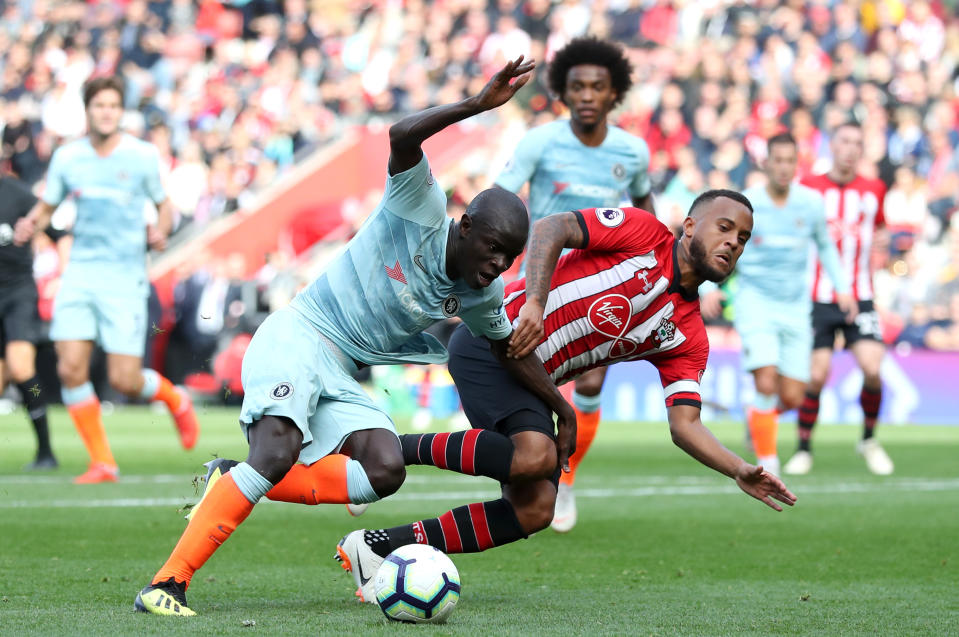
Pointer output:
x,y
233,92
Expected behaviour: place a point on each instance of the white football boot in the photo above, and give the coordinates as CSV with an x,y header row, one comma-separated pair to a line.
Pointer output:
x,y
877,460
360,560
356,510
799,465
564,515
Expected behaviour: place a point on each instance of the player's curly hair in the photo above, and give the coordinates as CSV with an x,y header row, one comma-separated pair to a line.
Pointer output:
x,y
591,50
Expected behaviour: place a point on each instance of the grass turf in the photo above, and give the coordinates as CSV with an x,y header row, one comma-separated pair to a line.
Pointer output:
x,y
664,546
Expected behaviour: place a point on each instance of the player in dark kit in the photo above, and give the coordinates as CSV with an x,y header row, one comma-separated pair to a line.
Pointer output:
x,y
19,319
627,291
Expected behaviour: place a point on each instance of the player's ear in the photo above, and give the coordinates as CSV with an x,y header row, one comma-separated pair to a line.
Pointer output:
x,y
466,223
689,226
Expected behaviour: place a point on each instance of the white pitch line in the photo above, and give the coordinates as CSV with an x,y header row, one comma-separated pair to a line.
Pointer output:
x,y
907,484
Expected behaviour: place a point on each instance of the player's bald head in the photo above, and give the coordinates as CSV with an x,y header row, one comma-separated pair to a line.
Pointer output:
x,y
503,210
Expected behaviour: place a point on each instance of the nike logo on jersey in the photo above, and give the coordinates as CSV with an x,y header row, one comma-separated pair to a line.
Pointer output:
x,y
418,260
396,273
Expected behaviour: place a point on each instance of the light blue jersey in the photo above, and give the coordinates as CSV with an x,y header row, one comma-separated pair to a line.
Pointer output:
x,y
565,174
375,299
775,265
111,194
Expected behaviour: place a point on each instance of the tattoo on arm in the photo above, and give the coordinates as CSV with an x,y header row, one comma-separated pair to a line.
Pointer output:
x,y
550,235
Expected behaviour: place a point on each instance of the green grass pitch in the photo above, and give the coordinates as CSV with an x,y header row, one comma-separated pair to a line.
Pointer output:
x,y
663,547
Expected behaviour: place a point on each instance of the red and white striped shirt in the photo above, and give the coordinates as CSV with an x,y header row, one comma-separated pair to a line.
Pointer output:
x,y
853,212
619,299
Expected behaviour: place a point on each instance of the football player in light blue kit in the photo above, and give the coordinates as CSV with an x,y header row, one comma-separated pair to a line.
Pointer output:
x,y
582,162
772,306
103,292
408,267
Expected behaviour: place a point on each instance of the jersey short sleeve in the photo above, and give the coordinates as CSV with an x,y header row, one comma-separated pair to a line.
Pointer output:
x,y
489,319
641,184
153,185
681,373
620,229
415,196
522,164
55,190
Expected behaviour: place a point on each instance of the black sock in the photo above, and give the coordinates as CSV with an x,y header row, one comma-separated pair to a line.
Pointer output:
x,y
466,529
475,452
35,403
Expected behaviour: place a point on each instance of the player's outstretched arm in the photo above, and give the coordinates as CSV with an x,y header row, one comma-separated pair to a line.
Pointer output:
x,y
550,235
690,435
409,133
530,372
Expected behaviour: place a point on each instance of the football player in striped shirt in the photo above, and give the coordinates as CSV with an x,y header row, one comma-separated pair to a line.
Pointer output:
x,y
627,291
582,162
854,213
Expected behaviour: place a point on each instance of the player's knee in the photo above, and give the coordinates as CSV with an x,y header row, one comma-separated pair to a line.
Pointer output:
x,y
790,400
766,385
590,384
20,371
71,373
536,511
534,460
123,382
386,473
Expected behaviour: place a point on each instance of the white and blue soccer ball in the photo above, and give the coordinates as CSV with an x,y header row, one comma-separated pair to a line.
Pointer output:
x,y
417,584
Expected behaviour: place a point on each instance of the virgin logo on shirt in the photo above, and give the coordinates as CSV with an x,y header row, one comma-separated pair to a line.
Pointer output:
x,y
609,315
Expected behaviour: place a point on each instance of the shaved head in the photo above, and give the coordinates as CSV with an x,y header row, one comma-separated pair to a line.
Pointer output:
x,y
501,209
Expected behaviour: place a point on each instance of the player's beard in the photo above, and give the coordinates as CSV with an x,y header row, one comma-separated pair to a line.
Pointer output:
x,y
697,256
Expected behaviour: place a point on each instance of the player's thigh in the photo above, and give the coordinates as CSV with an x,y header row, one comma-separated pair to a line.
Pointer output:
x,y
122,320
489,394
74,314
288,371
591,383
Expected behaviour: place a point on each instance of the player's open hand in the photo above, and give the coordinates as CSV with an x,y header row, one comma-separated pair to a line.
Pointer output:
x,y
501,86
156,238
528,331
24,230
764,486
565,436
848,306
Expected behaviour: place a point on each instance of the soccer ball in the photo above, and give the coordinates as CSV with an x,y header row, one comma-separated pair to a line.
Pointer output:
x,y
417,584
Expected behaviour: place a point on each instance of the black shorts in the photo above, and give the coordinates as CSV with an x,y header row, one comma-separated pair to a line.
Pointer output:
x,y
490,396
827,319
19,317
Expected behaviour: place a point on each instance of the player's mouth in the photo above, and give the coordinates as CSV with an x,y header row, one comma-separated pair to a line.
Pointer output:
x,y
485,278
587,112
725,260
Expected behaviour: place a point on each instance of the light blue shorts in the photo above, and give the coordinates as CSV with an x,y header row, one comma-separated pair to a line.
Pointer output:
x,y
774,334
291,370
100,305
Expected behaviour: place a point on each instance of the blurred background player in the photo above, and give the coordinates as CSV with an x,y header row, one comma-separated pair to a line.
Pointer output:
x,y
582,162
104,288
771,303
854,212
315,435
627,291
19,317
